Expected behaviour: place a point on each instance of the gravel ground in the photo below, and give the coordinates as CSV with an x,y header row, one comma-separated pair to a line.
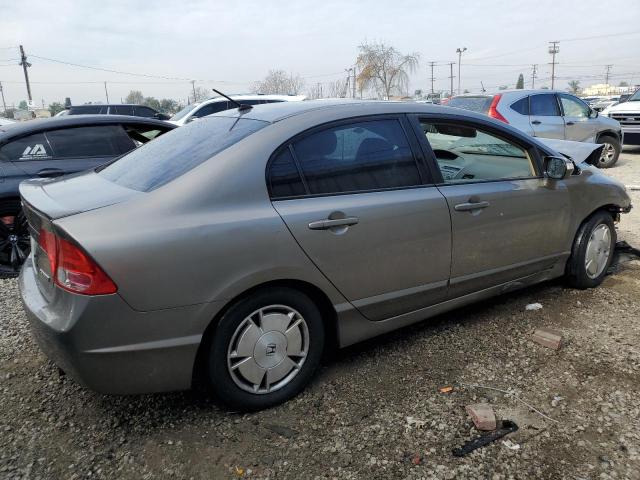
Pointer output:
x,y
352,421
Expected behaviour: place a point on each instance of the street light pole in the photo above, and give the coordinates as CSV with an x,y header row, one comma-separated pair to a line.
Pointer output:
x,y
459,52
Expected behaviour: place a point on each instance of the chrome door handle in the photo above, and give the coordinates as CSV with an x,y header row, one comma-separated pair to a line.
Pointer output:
x,y
331,223
465,207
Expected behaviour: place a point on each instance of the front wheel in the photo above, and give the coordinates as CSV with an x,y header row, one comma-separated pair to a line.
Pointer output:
x,y
592,252
14,239
610,151
265,349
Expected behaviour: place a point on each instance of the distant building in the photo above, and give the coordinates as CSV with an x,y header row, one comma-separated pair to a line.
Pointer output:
x,y
606,89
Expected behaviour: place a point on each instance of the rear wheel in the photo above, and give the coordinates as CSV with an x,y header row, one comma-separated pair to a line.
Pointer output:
x,y
592,252
14,238
265,348
610,152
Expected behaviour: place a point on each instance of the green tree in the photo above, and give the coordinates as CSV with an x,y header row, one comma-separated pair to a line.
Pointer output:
x,y
152,102
55,108
23,105
574,86
134,96
384,69
520,82
169,106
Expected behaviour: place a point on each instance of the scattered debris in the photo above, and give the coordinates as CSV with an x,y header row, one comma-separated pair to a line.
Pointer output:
x,y
510,445
415,423
239,471
447,389
471,385
281,430
548,338
507,427
556,401
533,306
416,460
483,416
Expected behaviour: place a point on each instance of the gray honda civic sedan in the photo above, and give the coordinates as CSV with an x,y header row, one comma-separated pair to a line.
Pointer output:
x,y
241,245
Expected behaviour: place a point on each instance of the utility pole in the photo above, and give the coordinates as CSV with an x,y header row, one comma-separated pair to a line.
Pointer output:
x,y
193,85
553,50
431,64
354,82
25,65
451,75
4,105
106,92
459,51
533,75
606,76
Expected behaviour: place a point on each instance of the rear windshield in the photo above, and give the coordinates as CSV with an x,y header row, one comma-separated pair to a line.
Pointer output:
x,y
478,104
175,153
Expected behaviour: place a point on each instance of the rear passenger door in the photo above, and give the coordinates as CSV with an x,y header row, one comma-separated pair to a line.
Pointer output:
x,y
363,208
544,116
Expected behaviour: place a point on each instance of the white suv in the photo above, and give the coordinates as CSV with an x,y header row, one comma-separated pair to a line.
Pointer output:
x,y
196,110
628,114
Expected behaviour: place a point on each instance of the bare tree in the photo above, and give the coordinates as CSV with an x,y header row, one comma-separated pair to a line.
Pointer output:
x,y
384,69
201,94
336,89
134,96
279,82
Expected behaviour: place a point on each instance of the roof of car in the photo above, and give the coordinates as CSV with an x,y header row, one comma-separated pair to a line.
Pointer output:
x,y
90,105
509,90
274,112
40,125
251,96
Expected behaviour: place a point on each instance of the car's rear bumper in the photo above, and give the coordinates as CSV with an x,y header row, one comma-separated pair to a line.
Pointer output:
x,y
109,347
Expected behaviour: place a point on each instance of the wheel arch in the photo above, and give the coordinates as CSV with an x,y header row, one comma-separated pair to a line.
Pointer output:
x,y
608,133
317,296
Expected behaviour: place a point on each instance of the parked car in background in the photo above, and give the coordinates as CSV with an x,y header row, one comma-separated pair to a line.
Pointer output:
x,y
55,147
62,113
6,121
604,103
213,105
628,114
117,109
549,114
254,237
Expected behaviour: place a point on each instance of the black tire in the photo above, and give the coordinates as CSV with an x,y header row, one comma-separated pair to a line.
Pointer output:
x,y
224,385
615,147
577,275
10,265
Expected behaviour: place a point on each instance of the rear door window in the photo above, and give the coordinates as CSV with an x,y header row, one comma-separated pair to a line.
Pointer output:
x,y
31,147
362,156
544,105
94,141
172,155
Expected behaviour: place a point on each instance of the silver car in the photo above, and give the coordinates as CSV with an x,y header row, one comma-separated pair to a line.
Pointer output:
x,y
239,246
549,114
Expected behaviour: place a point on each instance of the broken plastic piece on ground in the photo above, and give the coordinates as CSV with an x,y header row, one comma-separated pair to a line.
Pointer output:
x,y
548,338
483,416
534,306
507,427
447,389
510,445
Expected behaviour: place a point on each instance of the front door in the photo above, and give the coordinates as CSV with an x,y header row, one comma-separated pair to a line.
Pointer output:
x,y
507,221
544,116
364,213
579,126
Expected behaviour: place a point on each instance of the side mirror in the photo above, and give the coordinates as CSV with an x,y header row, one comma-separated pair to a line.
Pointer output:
x,y
593,113
558,167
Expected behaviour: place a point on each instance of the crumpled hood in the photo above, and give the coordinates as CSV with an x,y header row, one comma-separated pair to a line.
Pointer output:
x,y
578,151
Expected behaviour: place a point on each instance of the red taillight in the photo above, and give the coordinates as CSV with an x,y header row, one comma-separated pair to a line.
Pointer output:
x,y
72,269
493,109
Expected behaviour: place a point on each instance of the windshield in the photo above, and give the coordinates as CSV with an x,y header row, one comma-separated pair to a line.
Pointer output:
x,y
175,153
184,112
635,97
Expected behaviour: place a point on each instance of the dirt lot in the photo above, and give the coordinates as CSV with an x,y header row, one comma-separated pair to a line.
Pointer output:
x,y
352,421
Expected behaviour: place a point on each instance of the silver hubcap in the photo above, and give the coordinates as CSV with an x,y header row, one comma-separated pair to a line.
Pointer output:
x,y
268,349
608,153
598,251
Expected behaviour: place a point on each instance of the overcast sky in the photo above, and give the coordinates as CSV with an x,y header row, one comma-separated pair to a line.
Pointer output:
x,y
230,44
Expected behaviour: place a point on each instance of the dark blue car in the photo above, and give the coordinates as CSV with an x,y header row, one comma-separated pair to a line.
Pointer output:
x,y
55,147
